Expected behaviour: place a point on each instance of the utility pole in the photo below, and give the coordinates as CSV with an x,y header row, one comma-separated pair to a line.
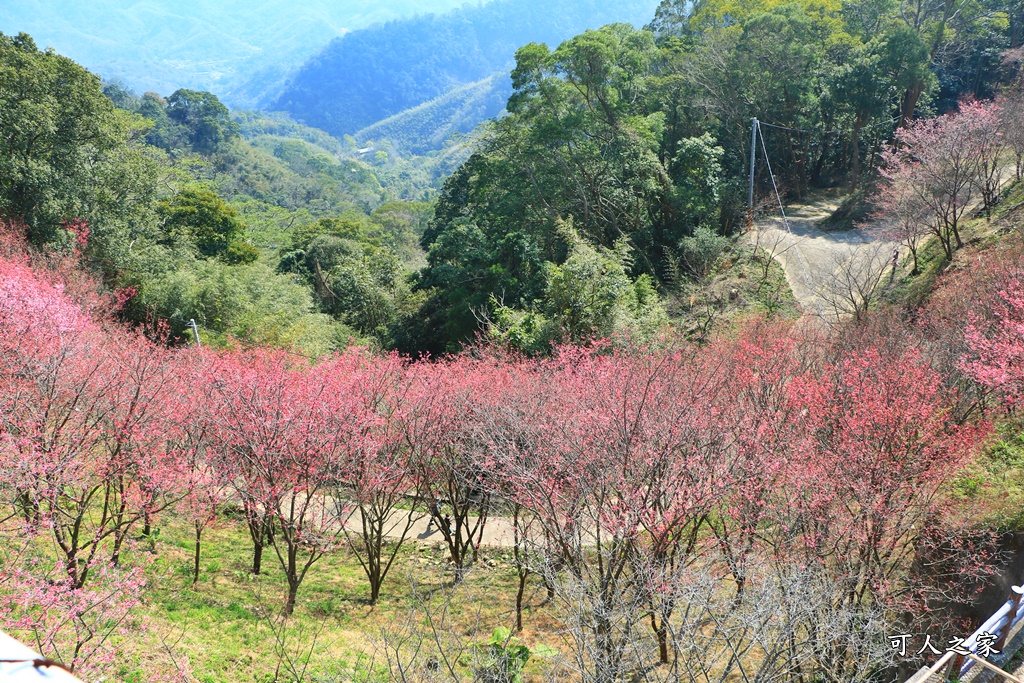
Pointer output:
x,y
195,331
753,156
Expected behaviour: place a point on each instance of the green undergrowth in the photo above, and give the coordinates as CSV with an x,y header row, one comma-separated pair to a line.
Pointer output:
x,y
744,281
993,485
978,233
911,289
231,630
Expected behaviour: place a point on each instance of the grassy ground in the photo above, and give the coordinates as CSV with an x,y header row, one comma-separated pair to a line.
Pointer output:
x,y
994,483
231,630
978,233
745,280
912,289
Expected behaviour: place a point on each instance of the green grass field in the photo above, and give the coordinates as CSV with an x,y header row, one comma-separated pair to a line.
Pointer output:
x,y
231,630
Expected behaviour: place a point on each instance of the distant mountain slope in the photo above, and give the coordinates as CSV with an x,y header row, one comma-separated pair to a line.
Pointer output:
x,y
426,127
240,49
371,74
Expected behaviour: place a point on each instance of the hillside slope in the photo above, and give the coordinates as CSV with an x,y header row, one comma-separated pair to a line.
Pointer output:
x,y
374,73
426,127
240,50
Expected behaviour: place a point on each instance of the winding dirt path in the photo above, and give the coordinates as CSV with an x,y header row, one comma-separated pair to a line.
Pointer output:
x,y
497,530
813,259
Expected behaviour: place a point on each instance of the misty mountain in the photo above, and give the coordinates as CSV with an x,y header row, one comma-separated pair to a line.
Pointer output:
x,y
242,50
427,126
374,73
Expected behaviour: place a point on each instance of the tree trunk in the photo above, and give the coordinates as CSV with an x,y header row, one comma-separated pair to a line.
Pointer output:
x,y
257,557
292,574
855,141
293,589
115,555
909,104
519,599
820,161
71,566
375,575
261,532
661,632
741,583
199,547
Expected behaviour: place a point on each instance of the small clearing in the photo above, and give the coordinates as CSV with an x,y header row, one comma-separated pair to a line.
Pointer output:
x,y
823,268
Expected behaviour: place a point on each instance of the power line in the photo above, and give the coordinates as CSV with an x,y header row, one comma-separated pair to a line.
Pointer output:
x,y
829,132
785,219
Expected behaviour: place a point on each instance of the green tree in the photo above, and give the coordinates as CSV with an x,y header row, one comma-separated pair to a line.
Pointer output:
x,y
249,302
581,141
165,133
65,150
590,296
118,93
207,121
207,221
875,78
697,174
355,277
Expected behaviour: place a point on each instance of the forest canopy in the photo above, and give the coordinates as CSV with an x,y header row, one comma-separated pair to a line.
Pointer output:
x,y
643,136
613,185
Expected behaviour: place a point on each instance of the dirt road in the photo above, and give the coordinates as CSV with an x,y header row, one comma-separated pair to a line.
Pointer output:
x,y
814,260
497,530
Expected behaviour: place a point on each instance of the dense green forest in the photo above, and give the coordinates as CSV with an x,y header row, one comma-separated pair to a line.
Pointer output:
x,y
374,73
186,219
607,195
625,152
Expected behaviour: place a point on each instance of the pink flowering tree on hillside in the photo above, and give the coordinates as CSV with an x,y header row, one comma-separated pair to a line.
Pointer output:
x,y
900,209
204,481
991,145
866,487
1012,123
80,423
942,165
996,347
619,482
508,429
142,405
74,452
374,474
754,412
436,431
282,431
83,628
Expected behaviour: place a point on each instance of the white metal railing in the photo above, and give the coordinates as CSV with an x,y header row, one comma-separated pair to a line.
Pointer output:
x,y
1001,624
21,664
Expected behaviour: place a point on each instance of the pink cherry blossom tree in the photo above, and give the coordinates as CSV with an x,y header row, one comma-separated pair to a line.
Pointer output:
x,y
282,432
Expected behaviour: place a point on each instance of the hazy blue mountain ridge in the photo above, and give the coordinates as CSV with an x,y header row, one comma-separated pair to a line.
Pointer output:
x,y
242,50
377,72
427,126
